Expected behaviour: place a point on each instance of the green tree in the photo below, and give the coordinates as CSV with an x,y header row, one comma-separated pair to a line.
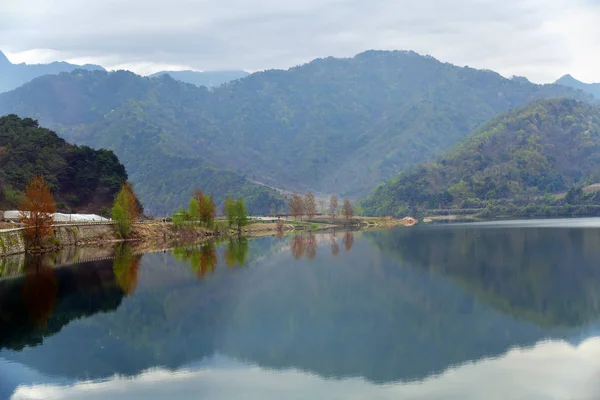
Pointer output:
x,y
194,210
230,210
241,215
125,210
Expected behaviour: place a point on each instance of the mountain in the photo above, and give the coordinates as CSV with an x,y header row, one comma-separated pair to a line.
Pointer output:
x,y
591,88
331,126
80,178
206,78
547,147
14,75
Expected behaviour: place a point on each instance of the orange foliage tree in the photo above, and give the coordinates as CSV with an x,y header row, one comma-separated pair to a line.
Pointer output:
x,y
37,211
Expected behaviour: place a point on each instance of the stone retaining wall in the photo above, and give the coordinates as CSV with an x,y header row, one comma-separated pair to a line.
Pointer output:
x,y
11,243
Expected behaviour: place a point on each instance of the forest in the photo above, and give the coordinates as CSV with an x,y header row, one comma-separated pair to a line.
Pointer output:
x,y
533,161
80,178
330,126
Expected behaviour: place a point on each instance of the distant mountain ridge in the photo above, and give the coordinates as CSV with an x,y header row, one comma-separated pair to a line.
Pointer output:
x,y
331,126
569,81
14,75
206,78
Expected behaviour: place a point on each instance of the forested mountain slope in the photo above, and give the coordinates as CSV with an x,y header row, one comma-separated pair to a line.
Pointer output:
x,y
332,125
547,147
80,178
14,75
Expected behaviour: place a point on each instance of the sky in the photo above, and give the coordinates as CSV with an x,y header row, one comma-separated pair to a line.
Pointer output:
x,y
539,39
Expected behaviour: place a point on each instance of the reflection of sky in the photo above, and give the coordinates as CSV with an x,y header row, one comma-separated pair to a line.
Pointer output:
x,y
549,370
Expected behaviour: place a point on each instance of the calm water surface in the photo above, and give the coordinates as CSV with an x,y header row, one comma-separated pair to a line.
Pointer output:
x,y
505,310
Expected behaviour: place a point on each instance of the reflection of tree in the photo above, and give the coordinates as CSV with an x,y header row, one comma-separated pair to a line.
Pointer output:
x,y
202,259
40,291
335,247
311,246
236,252
348,240
297,246
208,259
126,266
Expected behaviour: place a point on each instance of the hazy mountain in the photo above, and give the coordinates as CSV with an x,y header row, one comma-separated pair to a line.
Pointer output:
x,y
207,78
591,88
332,125
544,148
14,75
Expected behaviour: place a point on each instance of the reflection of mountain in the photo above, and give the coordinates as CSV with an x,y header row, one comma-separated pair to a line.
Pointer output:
x,y
40,303
547,276
357,314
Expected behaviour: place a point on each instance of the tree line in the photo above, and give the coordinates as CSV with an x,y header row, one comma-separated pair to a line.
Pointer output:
x,y
202,211
306,205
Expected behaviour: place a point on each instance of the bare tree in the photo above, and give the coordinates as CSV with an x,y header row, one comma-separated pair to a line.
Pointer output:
x,y
333,205
296,205
310,207
347,209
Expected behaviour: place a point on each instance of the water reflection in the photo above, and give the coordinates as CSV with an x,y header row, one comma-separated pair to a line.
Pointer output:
x,y
443,308
126,267
548,276
539,372
40,290
236,252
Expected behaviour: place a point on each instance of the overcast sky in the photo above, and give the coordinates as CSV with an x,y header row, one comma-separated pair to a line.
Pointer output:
x,y
539,39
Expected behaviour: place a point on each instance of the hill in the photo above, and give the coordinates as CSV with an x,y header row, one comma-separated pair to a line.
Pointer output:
x,y
548,147
80,178
14,75
206,78
331,126
591,88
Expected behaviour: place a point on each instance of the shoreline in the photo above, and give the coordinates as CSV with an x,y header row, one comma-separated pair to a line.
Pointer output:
x,y
11,243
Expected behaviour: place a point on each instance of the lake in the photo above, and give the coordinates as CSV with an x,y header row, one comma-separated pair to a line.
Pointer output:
x,y
506,310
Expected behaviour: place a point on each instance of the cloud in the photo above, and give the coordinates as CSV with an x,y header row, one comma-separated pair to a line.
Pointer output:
x,y
550,370
541,39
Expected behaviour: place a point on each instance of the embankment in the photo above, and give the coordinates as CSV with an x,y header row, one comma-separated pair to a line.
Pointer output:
x,y
11,242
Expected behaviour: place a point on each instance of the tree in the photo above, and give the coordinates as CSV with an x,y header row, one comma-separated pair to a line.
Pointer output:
x,y
241,216
296,205
333,205
135,208
126,209
194,210
37,211
347,209
207,211
230,210
310,207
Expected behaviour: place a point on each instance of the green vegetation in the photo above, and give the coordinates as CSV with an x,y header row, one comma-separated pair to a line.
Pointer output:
x,y
126,210
330,126
201,211
518,164
235,213
78,177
